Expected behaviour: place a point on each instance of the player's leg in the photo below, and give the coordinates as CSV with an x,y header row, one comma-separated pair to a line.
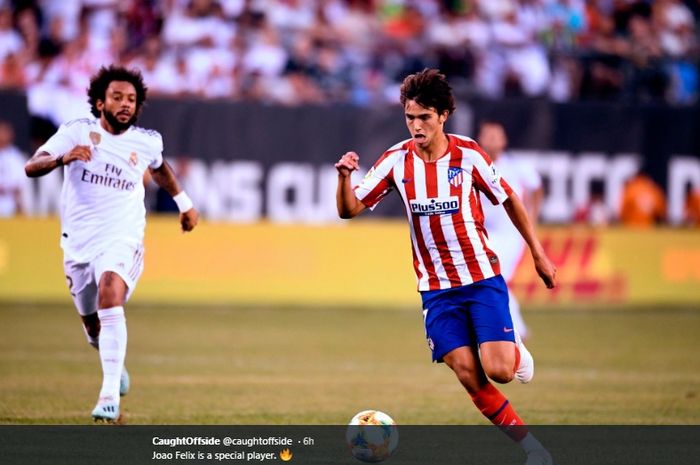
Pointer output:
x,y
112,343
464,362
451,338
491,402
91,326
117,272
503,355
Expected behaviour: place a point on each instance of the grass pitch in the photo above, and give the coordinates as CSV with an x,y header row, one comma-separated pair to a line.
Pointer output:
x,y
240,365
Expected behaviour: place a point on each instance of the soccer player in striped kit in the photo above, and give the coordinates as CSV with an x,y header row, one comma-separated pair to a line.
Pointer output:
x,y
465,300
103,215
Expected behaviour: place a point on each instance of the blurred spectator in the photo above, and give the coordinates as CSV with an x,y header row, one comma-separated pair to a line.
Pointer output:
x,y
692,207
12,177
595,212
10,40
643,202
361,49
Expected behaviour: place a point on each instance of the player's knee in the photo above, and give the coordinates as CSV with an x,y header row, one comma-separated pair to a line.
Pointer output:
x,y
112,291
466,374
500,371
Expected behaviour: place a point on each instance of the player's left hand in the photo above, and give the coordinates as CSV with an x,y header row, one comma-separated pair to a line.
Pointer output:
x,y
189,219
546,269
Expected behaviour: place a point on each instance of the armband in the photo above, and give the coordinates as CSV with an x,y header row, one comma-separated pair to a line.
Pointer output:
x,y
183,201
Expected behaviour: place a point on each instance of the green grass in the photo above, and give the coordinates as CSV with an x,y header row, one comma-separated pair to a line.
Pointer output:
x,y
231,365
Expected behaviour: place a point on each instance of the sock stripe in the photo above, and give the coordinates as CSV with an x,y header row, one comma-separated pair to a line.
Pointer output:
x,y
500,409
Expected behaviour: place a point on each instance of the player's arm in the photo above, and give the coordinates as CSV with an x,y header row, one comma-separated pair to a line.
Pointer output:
x,y
43,162
518,215
165,178
348,204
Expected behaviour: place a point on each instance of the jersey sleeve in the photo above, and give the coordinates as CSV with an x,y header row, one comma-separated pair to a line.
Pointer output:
x,y
487,178
157,150
67,137
377,182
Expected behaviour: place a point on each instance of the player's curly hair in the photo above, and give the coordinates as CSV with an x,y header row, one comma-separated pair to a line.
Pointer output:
x,y
430,89
101,80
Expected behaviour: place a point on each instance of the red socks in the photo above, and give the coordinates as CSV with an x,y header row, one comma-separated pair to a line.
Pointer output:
x,y
494,406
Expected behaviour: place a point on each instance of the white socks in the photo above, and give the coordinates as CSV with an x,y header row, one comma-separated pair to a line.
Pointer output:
x,y
112,350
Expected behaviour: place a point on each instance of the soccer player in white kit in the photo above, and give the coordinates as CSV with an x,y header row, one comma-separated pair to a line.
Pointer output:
x,y
103,214
465,299
504,237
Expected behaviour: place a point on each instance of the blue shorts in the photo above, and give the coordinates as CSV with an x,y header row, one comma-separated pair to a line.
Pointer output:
x,y
467,316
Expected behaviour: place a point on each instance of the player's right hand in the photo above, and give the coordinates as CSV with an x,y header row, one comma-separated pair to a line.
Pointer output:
x,y
348,163
189,219
79,152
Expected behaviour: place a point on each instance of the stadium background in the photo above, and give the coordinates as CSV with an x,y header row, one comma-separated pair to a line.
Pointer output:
x,y
274,311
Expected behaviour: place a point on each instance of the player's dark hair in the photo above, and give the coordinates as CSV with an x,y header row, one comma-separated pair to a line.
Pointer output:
x,y
430,89
101,80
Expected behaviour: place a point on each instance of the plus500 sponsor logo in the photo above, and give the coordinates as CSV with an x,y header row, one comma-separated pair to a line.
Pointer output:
x,y
437,206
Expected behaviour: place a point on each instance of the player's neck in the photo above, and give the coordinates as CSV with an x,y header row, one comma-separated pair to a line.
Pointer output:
x,y
110,129
435,150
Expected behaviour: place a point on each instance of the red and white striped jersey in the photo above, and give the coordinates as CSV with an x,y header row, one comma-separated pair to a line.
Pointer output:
x,y
450,245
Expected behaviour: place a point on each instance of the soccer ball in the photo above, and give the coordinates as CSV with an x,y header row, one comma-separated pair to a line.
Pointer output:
x,y
372,436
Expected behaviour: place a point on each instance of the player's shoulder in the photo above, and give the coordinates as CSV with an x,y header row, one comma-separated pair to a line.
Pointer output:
x,y
403,145
147,133
80,123
150,137
464,141
394,153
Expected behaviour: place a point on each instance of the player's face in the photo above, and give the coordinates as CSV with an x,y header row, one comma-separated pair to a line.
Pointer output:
x,y
119,106
492,138
424,124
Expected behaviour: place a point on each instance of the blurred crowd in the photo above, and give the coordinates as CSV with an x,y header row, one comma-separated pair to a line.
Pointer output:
x,y
352,51
292,52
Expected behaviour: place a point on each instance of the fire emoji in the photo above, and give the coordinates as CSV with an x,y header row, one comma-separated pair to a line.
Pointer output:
x,y
286,455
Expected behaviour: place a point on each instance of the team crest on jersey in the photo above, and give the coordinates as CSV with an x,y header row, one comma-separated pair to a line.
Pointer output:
x,y
455,176
95,137
133,159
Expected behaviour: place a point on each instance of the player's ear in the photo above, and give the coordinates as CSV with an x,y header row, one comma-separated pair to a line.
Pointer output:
x,y
99,104
442,117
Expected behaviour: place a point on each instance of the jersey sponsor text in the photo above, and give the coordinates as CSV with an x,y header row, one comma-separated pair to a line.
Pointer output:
x,y
437,206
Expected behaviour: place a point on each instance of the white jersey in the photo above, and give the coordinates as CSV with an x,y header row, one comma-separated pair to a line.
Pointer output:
x,y
102,200
503,235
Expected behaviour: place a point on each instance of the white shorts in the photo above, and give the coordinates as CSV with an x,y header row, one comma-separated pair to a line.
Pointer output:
x,y
83,278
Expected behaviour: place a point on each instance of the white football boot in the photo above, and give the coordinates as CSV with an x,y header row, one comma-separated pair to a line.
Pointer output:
x,y
526,369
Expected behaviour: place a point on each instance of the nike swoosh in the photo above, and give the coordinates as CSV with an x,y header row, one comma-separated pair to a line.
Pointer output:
x,y
405,180
506,330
